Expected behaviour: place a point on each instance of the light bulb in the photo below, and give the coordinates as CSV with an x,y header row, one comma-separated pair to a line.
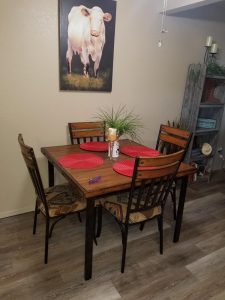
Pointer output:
x,y
160,43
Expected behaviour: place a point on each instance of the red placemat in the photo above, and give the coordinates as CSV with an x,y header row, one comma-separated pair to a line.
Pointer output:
x,y
94,146
134,151
80,161
126,167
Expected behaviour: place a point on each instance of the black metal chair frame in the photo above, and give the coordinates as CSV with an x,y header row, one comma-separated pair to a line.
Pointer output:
x,y
32,166
170,140
152,186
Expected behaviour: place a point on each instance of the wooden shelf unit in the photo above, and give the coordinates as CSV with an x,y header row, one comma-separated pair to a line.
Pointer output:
x,y
203,101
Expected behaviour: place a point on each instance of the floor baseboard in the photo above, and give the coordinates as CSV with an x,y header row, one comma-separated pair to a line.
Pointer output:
x,y
15,212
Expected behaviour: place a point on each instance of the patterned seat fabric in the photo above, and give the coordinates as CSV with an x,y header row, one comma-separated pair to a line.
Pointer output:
x,y
61,199
118,208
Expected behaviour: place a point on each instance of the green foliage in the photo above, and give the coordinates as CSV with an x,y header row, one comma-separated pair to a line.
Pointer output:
x,y
177,124
215,69
126,122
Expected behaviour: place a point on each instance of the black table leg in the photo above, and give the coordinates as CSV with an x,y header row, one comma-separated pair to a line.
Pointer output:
x,y
51,178
89,236
180,210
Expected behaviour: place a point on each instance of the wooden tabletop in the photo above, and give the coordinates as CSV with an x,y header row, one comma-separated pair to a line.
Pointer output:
x,y
110,181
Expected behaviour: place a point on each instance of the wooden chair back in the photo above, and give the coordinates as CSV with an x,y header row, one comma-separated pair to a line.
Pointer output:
x,y
32,166
172,139
81,132
151,181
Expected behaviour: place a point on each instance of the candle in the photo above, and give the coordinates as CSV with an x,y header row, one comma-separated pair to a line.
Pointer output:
x,y
112,134
209,40
214,48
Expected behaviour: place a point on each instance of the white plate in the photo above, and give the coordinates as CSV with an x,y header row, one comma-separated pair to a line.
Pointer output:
x,y
206,149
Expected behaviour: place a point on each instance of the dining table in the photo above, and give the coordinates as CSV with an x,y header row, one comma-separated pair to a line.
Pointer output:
x,y
97,179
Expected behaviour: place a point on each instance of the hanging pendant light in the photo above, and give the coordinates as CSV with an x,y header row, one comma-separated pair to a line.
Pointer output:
x,y
163,22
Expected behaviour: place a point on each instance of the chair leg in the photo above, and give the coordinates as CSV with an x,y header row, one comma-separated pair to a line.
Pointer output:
x,y
173,196
124,231
95,240
160,226
142,225
35,218
79,216
99,221
53,225
46,239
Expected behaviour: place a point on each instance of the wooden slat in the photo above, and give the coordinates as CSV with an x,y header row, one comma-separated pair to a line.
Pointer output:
x,y
192,95
88,133
175,131
161,160
173,140
162,165
158,172
87,125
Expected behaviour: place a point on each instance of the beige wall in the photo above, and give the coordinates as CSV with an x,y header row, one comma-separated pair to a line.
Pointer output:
x,y
146,78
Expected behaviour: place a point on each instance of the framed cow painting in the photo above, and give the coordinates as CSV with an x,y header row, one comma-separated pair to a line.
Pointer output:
x,y
86,44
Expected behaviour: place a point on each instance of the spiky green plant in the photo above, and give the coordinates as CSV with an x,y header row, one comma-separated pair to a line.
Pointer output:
x,y
177,124
126,122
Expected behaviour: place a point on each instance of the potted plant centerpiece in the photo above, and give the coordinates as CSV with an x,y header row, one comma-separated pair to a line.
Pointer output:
x,y
119,122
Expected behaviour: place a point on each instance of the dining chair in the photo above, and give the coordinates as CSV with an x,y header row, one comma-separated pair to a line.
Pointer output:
x,y
82,132
170,140
55,203
153,176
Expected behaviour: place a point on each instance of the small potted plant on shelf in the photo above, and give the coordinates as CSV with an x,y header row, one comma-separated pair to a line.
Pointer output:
x,y
215,69
119,122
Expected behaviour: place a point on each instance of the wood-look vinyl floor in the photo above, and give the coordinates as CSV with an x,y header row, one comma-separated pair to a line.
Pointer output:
x,y
192,269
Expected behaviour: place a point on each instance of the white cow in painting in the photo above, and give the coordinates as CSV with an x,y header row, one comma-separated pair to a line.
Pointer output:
x,y
86,36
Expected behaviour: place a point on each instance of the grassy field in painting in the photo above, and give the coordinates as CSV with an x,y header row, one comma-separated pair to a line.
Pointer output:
x,y
81,83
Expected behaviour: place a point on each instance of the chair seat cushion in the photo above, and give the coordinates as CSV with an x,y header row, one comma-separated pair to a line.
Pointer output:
x,y
61,200
119,210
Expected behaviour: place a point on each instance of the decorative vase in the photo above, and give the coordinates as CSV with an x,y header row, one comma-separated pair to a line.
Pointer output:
x,y
113,149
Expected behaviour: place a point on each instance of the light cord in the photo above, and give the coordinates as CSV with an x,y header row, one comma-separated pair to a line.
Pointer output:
x,y
163,22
